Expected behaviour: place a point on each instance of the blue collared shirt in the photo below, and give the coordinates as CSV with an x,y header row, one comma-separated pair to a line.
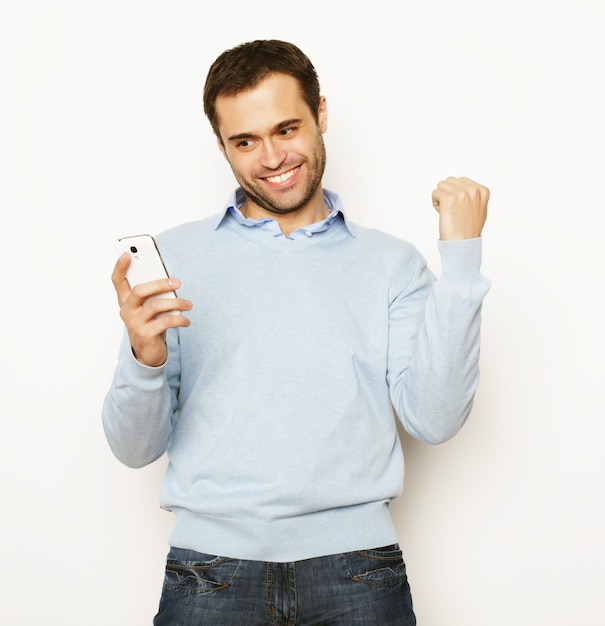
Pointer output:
x,y
332,200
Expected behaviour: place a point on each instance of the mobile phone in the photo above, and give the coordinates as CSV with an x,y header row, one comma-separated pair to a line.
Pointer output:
x,y
146,262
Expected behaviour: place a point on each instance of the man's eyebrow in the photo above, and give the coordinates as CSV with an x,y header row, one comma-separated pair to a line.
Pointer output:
x,y
275,129
240,136
292,122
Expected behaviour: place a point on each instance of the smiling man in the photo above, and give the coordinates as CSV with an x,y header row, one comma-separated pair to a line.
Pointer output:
x,y
273,392
277,159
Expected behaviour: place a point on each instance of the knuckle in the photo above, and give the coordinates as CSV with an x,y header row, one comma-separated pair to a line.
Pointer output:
x,y
464,195
137,291
156,305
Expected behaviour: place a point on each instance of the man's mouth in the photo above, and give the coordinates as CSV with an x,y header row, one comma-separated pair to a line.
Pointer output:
x,y
283,177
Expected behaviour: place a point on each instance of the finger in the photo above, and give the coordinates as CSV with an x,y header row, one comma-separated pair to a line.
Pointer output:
x,y
436,198
470,185
160,318
147,325
481,189
142,291
465,180
118,277
455,184
139,314
156,306
443,190
461,188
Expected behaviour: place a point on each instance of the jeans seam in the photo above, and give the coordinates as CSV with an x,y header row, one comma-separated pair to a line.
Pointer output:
x,y
268,600
279,620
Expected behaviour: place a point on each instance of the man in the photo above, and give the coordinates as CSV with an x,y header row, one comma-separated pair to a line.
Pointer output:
x,y
273,392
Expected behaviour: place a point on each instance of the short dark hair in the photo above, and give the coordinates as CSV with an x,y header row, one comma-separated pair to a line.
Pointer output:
x,y
243,67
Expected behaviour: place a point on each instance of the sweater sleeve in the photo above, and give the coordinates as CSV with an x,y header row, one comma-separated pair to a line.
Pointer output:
x,y
139,408
434,342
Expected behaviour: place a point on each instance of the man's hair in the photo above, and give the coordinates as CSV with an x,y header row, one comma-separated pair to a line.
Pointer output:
x,y
245,66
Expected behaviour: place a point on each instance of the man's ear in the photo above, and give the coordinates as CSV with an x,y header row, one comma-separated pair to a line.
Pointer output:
x,y
322,114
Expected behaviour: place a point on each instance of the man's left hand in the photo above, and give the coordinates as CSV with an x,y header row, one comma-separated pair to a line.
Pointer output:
x,y
462,207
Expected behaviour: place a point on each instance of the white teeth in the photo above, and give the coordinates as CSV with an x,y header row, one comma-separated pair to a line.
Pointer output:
x,y
281,177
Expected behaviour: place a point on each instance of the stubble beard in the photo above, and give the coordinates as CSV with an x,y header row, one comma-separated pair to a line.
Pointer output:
x,y
283,204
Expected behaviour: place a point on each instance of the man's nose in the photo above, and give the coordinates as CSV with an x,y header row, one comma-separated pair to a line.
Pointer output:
x,y
273,155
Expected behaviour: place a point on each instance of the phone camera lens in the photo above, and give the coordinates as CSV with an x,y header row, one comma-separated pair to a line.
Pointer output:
x,y
133,249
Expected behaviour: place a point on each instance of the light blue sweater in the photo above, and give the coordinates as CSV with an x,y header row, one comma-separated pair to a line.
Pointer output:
x,y
276,405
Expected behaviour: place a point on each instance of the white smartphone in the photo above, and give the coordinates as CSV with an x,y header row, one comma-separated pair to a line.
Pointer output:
x,y
146,262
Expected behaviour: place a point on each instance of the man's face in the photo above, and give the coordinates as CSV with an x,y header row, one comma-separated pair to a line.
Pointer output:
x,y
273,145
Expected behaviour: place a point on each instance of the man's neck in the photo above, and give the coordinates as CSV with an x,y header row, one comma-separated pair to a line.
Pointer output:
x,y
288,222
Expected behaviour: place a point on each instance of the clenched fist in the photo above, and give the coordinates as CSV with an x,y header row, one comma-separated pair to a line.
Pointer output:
x,y
462,207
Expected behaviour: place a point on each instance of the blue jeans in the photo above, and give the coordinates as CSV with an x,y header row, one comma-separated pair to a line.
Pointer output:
x,y
368,587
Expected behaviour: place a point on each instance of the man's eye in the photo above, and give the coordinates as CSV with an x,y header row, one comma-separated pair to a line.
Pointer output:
x,y
286,132
244,143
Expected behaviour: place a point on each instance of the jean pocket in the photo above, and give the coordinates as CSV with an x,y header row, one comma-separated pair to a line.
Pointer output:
x,y
380,567
189,572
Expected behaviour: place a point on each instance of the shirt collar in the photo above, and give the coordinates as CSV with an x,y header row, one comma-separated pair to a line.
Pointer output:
x,y
237,199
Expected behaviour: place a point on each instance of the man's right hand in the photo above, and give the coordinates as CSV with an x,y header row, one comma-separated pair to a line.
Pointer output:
x,y
141,313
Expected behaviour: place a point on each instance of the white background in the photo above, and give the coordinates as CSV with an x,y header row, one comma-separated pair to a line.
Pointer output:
x,y
102,134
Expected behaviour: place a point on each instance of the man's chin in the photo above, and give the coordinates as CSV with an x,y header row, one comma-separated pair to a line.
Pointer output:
x,y
272,207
